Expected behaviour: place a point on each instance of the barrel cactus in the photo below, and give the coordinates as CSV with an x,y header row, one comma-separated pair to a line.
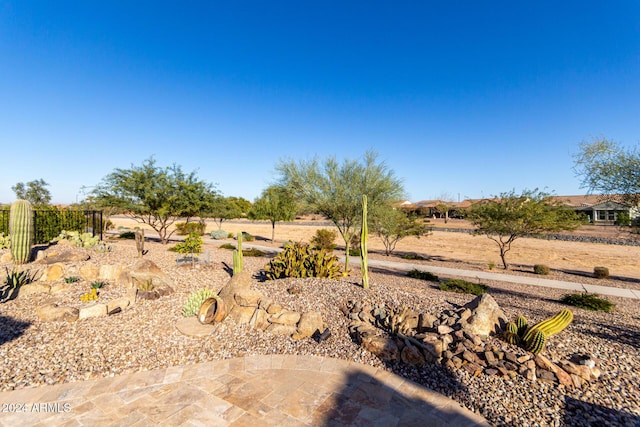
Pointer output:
x,y
535,337
21,230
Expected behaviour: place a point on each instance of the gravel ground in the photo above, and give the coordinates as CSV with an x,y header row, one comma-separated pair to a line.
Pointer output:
x,y
144,337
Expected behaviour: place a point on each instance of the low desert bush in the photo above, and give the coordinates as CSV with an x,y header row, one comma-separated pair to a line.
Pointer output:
x,y
253,252
412,255
423,275
129,235
219,234
601,272
324,239
186,228
587,301
541,269
462,286
227,246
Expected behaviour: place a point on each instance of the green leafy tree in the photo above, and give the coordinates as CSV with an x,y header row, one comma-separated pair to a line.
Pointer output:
x,y
335,189
224,208
391,225
275,204
192,245
156,196
445,205
510,216
610,169
33,191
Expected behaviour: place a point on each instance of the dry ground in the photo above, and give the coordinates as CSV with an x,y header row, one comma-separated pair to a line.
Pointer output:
x,y
462,250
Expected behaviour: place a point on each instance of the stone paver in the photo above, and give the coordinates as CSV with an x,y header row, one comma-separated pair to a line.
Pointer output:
x,y
279,390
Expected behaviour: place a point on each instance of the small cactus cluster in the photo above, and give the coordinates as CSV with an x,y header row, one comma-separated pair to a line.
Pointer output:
x,y
194,301
534,338
81,240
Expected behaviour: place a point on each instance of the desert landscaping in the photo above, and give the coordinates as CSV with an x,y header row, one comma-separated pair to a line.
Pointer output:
x,y
142,334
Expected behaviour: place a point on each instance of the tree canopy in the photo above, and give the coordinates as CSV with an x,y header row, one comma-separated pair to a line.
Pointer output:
x,y
510,216
33,191
608,168
391,225
156,196
224,208
335,189
275,204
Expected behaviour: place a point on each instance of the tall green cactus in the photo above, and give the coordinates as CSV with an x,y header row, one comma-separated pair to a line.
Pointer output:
x,y
238,263
21,230
364,256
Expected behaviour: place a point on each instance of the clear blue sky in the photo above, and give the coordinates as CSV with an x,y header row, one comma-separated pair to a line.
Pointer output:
x,y
461,97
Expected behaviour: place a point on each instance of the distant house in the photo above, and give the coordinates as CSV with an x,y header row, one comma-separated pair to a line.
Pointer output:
x,y
596,208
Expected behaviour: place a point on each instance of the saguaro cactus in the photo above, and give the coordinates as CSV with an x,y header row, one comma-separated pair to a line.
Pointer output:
x,y
237,256
364,234
21,230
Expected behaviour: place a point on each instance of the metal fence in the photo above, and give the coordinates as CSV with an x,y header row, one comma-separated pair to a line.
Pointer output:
x,y
48,223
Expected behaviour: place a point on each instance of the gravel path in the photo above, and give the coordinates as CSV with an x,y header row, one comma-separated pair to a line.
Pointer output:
x,y
144,337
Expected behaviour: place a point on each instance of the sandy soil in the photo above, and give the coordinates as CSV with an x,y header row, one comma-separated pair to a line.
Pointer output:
x,y
460,249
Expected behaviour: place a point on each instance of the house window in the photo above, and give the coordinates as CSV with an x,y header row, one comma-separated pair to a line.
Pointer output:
x,y
611,215
601,216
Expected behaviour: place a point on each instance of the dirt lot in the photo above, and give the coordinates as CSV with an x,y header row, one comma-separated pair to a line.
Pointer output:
x,y
463,250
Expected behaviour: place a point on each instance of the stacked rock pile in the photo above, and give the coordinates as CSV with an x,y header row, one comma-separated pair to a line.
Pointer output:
x,y
246,306
459,338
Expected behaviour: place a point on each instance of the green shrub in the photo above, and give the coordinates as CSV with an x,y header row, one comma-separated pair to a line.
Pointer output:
x,y
252,252
246,237
623,219
192,245
324,239
227,246
601,272
194,301
219,234
71,279
462,286
186,228
587,301
129,235
413,255
423,275
300,260
541,269
354,251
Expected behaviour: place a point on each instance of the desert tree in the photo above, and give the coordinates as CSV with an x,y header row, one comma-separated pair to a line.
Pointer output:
x,y
155,196
225,208
335,189
34,191
608,168
444,205
392,224
275,204
510,216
